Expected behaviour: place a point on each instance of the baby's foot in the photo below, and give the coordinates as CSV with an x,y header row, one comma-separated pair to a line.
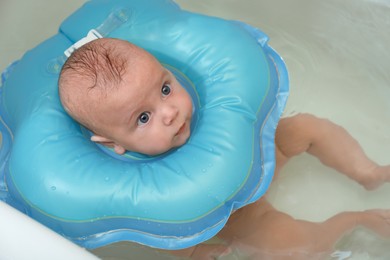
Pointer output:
x,y
378,220
378,176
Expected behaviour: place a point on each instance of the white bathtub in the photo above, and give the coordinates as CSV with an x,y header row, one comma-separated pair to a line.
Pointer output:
x,y
339,61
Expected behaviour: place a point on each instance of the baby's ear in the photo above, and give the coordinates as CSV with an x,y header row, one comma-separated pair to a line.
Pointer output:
x,y
109,143
101,140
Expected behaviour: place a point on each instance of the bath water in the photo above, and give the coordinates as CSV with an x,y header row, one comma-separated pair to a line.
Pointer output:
x,y
338,61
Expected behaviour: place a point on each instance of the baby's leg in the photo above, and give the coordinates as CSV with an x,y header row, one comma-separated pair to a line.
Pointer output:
x,y
331,144
262,231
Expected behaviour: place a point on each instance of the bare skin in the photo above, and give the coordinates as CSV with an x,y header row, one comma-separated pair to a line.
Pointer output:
x,y
266,233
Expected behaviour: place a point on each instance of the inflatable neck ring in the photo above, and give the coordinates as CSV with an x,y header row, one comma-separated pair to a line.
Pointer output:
x,y
52,171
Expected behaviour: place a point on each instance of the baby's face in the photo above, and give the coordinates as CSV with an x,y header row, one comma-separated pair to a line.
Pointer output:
x,y
149,112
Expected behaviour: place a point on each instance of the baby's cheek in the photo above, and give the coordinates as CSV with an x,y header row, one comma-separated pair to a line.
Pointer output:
x,y
188,103
163,144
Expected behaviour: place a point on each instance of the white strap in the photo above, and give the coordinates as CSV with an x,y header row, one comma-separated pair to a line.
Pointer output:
x,y
92,35
111,23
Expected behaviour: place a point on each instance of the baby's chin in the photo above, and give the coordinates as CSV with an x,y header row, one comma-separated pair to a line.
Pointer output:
x,y
182,138
157,151
177,144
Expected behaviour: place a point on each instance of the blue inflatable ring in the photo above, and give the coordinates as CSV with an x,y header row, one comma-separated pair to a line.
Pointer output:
x,y
52,171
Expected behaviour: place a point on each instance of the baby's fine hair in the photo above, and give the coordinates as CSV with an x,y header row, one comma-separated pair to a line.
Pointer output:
x,y
93,70
99,62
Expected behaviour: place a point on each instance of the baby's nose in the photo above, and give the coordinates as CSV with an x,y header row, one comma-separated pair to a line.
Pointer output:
x,y
169,114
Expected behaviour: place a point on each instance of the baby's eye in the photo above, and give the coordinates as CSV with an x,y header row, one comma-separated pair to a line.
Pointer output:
x,y
143,118
166,89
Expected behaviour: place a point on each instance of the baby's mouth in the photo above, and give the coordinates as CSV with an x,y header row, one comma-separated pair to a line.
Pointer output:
x,y
181,129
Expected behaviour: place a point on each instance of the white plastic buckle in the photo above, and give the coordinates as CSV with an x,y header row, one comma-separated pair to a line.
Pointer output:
x,y
92,35
115,19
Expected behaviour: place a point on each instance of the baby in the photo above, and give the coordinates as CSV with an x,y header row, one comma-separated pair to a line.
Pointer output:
x,y
131,102
125,97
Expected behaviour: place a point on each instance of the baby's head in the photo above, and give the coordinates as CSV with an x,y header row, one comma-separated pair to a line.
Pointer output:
x,y
125,97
